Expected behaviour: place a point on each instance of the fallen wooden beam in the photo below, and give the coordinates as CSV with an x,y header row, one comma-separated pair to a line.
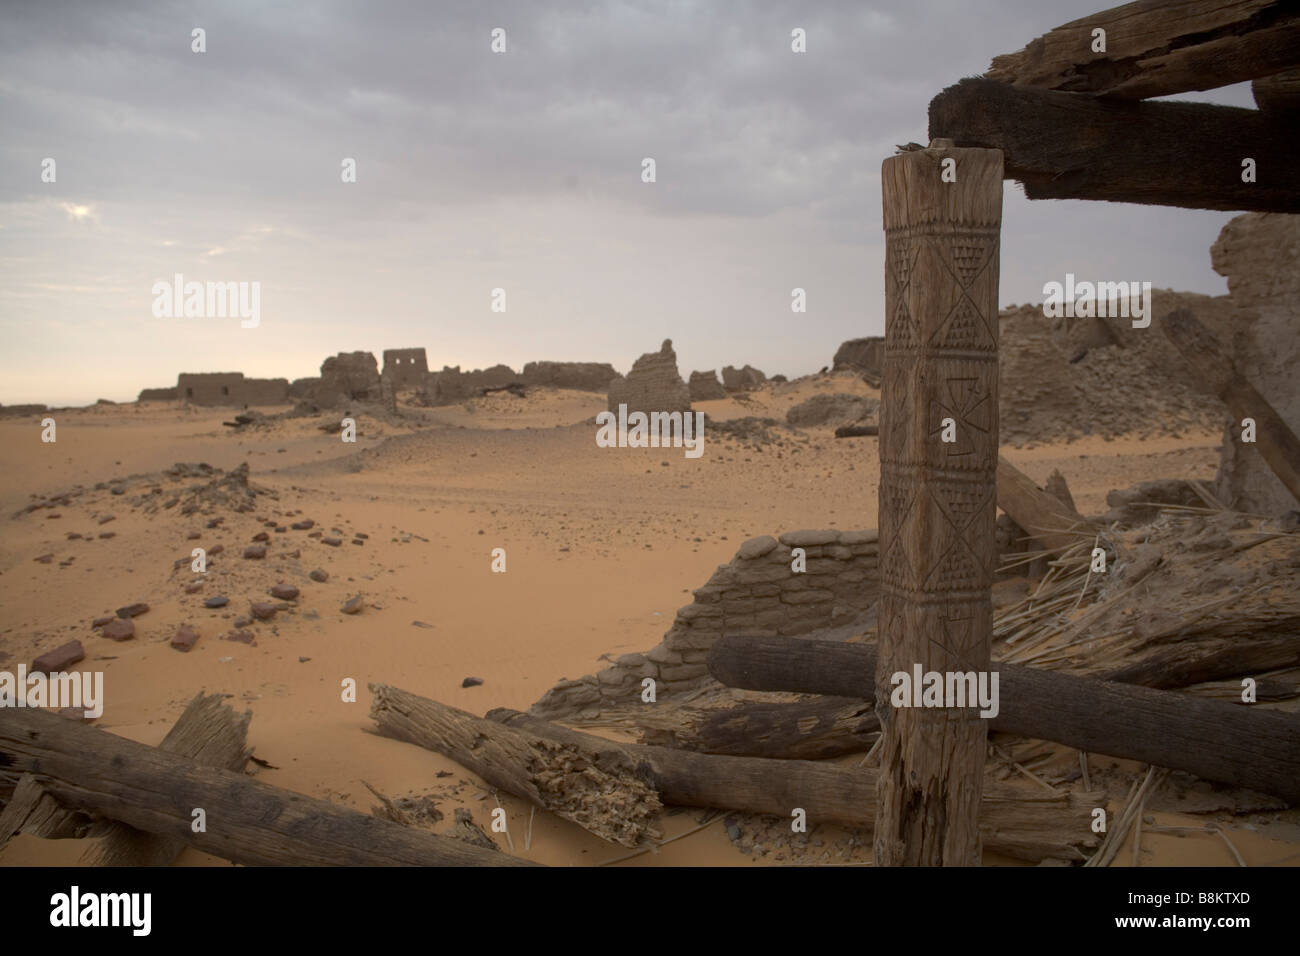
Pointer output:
x,y
801,730
1158,47
1073,146
609,799
856,431
1241,745
32,810
84,768
1025,824
208,732
1278,94
1052,523
1215,371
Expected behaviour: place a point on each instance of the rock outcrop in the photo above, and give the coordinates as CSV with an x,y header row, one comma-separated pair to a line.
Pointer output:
x,y
1259,254
653,384
705,387
834,409
861,355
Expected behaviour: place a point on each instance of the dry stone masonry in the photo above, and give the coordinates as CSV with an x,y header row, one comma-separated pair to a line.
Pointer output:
x,y
742,379
757,593
653,385
705,387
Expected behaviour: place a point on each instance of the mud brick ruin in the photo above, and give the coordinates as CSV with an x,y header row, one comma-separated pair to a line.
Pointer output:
x,y
230,388
405,368
742,379
653,385
705,387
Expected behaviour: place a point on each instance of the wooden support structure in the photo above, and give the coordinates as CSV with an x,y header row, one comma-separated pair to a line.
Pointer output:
x,y
1276,442
87,769
1073,146
1028,825
1159,47
1245,746
938,460
1052,523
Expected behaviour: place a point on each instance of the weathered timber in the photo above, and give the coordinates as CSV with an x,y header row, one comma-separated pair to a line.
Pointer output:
x,y
1159,47
1052,523
32,810
208,732
1029,825
1276,442
1244,746
856,431
1279,93
611,800
1073,146
87,769
801,730
942,210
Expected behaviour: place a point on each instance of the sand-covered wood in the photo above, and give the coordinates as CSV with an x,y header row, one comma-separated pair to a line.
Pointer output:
x,y
1242,745
608,797
1158,47
1026,824
942,210
1074,146
247,822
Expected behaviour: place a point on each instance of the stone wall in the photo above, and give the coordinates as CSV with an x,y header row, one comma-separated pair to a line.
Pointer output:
x,y
705,386
158,394
1259,254
742,379
861,355
581,376
653,385
347,377
405,368
451,385
231,388
757,593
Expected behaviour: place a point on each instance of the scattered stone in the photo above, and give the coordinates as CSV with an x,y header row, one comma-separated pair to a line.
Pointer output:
x,y
132,610
217,600
192,588
255,552
357,541
303,660
101,621
44,559
319,576
305,524
332,542
59,659
185,638
285,592
420,624
243,621
471,682
216,549
262,536
194,536
105,535
107,518
263,611
362,535
119,630
354,605
243,637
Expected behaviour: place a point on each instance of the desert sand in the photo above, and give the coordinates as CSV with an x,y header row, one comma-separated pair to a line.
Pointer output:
x,y
601,547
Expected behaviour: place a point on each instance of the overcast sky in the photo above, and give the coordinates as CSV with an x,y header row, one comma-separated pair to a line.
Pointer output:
x,y
478,170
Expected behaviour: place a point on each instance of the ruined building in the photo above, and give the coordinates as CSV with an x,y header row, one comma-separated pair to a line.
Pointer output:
x,y
230,388
653,385
406,368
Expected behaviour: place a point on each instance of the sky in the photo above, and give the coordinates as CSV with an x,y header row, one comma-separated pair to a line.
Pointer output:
x,y
478,170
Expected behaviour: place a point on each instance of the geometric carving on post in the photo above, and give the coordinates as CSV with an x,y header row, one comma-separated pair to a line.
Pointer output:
x,y
938,500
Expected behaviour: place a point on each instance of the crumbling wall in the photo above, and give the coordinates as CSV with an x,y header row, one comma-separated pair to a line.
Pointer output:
x,y
742,379
263,391
582,376
451,385
348,376
209,388
1259,254
304,387
705,386
757,593
861,355
158,394
405,368
653,384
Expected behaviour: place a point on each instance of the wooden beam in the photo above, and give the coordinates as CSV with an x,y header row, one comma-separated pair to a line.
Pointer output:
x,y
84,768
938,459
1159,47
1276,442
1028,825
1052,523
1278,94
610,800
1241,745
1072,146
801,730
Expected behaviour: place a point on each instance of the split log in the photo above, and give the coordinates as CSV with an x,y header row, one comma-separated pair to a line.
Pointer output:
x,y
87,769
610,799
938,488
1072,146
1025,824
1244,746
1158,47
32,810
208,732
1052,523
1277,443
802,730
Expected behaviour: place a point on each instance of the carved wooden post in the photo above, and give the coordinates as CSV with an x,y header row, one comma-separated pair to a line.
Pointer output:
x,y
943,217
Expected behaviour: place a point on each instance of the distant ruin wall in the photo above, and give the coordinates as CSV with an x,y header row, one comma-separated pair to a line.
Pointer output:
x,y
705,386
757,593
451,385
653,384
1259,254
231,388
582,376
405,368
742,379
347,377
158,394
862,355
